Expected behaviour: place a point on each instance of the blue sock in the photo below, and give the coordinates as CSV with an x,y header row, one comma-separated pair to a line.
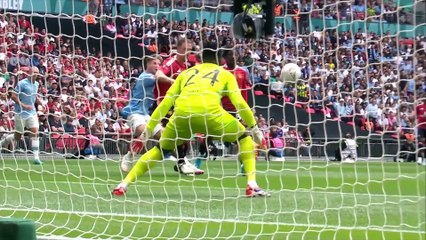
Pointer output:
x,y
198,162
242,169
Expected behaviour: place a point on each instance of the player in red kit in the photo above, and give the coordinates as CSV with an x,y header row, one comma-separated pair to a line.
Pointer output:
x,y
244,84
243,81
170,69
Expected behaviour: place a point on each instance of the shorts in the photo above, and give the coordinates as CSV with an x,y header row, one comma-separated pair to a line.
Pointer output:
x,y
136,120
181,127
25,123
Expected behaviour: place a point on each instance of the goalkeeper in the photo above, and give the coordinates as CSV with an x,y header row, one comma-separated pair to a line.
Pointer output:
x,y
196,96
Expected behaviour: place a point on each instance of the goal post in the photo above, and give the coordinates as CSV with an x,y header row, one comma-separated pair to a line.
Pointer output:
x,y
363,83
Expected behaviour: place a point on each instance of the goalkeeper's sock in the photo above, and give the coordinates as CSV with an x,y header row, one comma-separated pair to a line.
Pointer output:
x,y
248,158
7,140
144,163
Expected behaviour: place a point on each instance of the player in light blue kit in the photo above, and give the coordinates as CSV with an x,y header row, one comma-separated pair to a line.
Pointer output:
x,y
25,96
137,110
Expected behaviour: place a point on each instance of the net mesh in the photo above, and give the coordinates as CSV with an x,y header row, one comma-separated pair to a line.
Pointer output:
x,y
363,75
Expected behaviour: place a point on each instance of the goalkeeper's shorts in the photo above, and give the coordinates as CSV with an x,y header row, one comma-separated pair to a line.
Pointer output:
x,y
182,127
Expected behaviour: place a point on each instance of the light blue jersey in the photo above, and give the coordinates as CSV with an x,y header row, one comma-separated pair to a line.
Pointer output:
x,y
141,96
27,93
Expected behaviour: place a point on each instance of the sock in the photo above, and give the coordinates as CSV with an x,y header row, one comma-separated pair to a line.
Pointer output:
x,y
198,162
144,163
181,153
248,158
252,184
7,140
35,146
128,156
123,185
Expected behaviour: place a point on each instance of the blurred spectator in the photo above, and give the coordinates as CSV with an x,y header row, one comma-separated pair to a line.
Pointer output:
x,y
368,78
55,122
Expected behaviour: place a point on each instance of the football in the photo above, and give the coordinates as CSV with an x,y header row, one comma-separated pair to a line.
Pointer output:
x,y
290,73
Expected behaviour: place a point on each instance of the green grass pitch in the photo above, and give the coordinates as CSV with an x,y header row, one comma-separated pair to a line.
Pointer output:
x,y
310,200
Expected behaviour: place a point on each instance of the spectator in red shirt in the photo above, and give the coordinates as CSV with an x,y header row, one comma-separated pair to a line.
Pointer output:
x,y
24,23
421,119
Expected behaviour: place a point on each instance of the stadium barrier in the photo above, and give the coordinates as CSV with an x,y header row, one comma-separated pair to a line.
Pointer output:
x,y
118,144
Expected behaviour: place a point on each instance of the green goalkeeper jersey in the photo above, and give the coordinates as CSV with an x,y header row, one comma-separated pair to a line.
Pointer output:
x,y
198,91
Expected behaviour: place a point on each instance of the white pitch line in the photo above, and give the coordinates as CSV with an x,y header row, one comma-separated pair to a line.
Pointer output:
x,y
302,190
206,220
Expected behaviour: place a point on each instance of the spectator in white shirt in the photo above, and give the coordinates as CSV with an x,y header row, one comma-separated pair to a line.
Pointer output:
x,y
372,111
151,21
3,23
89,88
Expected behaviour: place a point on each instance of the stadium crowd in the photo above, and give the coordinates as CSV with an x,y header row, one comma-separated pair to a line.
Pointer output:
x,y
369,80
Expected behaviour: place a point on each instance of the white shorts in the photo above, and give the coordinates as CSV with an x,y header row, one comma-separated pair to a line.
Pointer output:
x,y
136,120
25,123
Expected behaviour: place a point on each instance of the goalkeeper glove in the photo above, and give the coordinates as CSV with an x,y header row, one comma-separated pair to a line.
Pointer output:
x,y
257,136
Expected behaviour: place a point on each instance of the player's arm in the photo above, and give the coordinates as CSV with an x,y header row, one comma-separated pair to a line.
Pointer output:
x,y
162,77
243,109
165,105
14,96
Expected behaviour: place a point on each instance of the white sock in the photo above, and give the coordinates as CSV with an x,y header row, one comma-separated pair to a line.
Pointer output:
x,y
7,140
252,184
129,156
123,185
35,146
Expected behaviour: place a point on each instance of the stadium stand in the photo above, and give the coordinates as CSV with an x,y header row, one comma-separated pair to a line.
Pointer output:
x,y
367,82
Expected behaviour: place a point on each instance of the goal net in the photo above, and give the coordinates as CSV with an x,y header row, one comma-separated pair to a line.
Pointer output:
x,y
361,101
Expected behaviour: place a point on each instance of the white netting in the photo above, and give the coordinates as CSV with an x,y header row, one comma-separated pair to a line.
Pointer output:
x,y
363,66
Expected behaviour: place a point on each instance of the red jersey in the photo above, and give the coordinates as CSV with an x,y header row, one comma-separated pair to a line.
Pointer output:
x,y
421,117
171,68
243,83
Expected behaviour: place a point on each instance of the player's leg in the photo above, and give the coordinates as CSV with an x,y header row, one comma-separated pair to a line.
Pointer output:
x,y
32,124
137,125
346,156
183,165
207,150
168,143
202,152
230,129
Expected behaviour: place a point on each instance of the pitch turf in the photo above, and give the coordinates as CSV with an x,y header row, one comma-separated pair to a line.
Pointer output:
x,y
310,200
